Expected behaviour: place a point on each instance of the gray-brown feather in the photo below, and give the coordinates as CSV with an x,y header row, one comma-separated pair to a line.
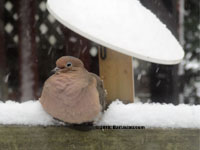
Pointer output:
x,y
101,90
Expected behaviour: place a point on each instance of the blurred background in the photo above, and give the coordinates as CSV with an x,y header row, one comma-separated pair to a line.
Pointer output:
x,y
31,40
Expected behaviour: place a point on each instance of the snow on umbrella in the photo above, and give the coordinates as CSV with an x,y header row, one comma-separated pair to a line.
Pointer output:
x,y
122,25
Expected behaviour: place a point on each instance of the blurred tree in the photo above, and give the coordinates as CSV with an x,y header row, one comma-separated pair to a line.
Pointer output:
x,y
191,76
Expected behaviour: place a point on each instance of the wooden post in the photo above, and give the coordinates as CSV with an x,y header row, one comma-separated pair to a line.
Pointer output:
x,y
53,138
116,70
27,50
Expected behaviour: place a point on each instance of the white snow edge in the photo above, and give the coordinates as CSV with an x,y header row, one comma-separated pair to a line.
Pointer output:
x,y
153,115
26,113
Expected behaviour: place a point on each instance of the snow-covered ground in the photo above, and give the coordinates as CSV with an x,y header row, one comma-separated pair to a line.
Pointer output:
x,y
136,114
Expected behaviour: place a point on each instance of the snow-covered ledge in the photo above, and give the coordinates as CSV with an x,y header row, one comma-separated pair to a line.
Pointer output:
x,y
27,126
136,114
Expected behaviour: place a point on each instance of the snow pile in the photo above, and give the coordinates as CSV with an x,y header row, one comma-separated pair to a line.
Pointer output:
x,y
152,115
137,114
27,113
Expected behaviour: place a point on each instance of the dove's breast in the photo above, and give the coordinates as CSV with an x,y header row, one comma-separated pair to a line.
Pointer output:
x,y
72,98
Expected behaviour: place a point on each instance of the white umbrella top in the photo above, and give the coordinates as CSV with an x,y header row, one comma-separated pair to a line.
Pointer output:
x,y
122,25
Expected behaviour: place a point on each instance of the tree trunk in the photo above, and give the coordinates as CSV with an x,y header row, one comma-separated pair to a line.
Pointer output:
x,y
27,50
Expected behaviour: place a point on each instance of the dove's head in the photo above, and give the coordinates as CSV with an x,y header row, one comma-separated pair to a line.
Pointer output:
x,y
68,63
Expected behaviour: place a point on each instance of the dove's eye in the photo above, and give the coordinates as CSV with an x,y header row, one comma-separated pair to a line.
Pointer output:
x,y
69,64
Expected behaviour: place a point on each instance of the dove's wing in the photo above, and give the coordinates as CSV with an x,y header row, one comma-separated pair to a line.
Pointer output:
x,y
101,90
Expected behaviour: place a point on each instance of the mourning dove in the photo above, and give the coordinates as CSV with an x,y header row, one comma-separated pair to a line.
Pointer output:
x,y
73,94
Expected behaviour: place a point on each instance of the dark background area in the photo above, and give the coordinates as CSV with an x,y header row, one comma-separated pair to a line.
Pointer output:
x,y
31,40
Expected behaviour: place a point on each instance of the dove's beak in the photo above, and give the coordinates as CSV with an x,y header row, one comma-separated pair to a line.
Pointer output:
x,y
55,69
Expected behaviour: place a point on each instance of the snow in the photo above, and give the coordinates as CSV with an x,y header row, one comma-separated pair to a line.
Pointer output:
x,y
26,113
136,114
73,39
122,25
93,51
194,65
152,115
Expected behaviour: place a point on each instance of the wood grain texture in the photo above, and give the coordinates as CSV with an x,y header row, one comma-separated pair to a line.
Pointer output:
x,y
117,74
64,138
